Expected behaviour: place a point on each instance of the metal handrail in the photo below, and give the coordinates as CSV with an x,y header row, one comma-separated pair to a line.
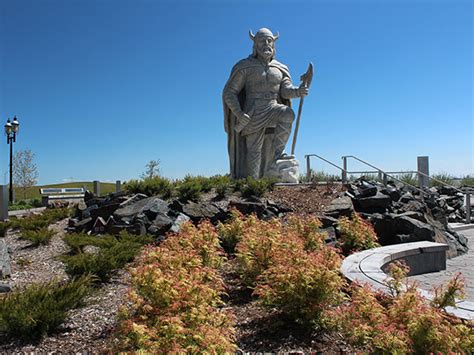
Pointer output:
x,y
308,170
467,193
385,173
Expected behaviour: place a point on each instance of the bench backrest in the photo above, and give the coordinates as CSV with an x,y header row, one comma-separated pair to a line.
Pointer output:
x,y
58,190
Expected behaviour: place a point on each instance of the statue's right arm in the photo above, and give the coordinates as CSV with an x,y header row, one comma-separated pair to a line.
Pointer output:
x,y
231,94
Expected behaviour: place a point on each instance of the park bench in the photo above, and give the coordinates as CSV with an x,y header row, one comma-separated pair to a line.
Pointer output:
x,y
61,194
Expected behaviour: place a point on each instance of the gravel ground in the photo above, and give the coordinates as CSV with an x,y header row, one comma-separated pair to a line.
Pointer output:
x,y
306,199
86,329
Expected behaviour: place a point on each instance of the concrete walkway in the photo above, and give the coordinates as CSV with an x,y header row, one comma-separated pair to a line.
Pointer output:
x,y
19,213
463,264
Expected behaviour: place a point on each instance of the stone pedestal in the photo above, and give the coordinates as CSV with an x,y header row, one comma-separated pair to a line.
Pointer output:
x,y
423,167
3,202
288,169
96,185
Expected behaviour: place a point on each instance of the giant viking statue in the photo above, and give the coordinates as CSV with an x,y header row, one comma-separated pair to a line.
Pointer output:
x,y
257,110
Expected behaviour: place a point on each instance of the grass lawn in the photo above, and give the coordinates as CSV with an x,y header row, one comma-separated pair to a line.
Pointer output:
x,y
33,192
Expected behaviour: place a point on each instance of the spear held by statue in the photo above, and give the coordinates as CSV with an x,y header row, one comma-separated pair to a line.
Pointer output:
x,y
306,79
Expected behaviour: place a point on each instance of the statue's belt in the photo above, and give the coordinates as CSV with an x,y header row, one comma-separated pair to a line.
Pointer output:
x,y
262,95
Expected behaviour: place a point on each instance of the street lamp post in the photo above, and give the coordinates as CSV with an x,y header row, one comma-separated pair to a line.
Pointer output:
x,y
11,129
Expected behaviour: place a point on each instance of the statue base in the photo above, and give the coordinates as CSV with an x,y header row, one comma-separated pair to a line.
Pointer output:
x,y
288,169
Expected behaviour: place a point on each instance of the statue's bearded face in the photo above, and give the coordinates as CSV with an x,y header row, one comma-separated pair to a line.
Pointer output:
x,y
265,47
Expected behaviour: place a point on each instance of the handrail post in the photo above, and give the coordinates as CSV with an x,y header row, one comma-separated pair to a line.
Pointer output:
x,y
468,208
385,179
308,168
344,171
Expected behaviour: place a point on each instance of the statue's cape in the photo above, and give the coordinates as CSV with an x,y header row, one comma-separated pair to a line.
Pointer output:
x,y
235,142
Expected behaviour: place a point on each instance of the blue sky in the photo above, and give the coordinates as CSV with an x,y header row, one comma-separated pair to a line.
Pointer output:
x,y
101,87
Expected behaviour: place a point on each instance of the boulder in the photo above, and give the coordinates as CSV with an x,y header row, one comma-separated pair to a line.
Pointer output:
x,y
326,221
178,222
341,206
160,225
366,189
150,207
198,211
259,207
394,229
378,203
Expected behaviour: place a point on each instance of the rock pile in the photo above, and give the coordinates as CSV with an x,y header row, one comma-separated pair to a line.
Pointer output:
x,y
400,214
140,214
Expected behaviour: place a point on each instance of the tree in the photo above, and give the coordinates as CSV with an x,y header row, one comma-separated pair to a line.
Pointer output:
x,y
25,172
152,169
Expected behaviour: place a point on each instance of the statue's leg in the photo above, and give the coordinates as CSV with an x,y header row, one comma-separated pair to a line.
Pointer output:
x,y
254,145
283,130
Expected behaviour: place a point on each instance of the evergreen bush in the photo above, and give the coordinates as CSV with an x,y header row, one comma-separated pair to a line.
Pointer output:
x,y
40,309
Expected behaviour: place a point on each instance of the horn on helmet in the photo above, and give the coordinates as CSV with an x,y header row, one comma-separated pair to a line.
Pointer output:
x,y
251,35
275,37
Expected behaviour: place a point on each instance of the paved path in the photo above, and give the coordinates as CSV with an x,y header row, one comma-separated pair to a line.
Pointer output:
x,y
25,212
463,264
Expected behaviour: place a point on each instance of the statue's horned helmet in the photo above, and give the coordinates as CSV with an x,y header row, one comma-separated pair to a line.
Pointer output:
x,y
263,32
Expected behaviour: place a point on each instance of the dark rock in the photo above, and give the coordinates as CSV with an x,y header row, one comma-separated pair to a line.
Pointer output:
x,y
131,200
374,204
394,229
104,211
331,235
198,211
4,288
392,192
88,196
160,225
150,206
418,231
366,189
249,207
412,214
406,197
341,206
326,221
137,228
86,213
95,201
83,225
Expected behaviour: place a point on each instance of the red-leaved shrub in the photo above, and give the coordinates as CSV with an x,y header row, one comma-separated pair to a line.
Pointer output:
x,y
402,322
356,234
176,297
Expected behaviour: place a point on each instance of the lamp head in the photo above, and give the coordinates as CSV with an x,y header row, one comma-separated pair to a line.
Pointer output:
x,y
15,125
8,127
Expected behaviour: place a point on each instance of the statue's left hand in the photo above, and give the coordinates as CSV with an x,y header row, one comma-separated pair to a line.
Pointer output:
x,y
302,90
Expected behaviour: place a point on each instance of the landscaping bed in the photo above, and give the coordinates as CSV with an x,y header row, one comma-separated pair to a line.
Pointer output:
x,y
238,284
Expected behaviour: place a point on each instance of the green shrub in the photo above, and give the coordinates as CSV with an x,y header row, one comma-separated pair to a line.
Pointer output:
x,y
408,178
442,178
238,185
356,234
41,236
230,233
189,189
38,221
3,228
257,188
154,186
221,183
467,180
25,204
40,308
114,253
